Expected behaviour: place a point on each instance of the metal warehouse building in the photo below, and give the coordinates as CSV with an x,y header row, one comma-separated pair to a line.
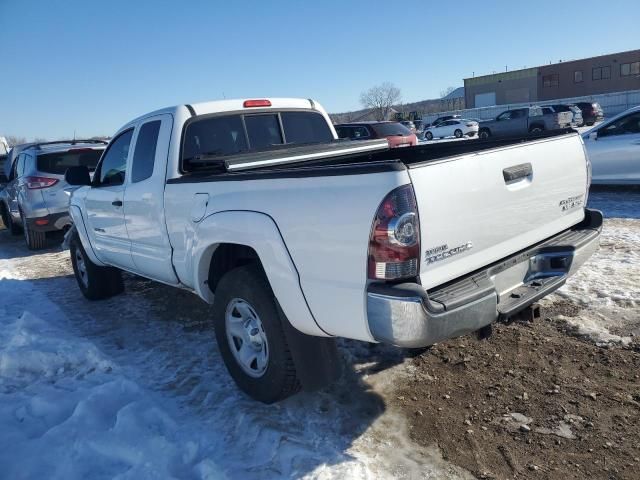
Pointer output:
x,y
617,72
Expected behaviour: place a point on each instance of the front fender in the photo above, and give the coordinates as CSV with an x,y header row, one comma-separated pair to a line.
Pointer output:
x,y
260,232
78,223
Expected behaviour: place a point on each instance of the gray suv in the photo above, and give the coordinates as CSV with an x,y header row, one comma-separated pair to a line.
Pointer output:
x,y
36,198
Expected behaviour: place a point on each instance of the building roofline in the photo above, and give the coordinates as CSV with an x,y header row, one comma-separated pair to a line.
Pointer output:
x,y
552,64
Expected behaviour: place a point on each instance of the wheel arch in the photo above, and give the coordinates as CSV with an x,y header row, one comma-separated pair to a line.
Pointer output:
x,y
233,238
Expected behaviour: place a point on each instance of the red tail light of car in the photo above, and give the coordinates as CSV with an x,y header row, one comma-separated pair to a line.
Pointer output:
x,y
394,244
36,183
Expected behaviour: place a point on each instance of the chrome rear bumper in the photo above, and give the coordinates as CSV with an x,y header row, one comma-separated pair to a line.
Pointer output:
x,y
407,316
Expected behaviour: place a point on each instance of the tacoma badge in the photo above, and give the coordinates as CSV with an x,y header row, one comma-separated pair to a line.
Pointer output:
x,y
443,251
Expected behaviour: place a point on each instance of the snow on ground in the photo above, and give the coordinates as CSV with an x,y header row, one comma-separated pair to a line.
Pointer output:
x,y
133,387
608,286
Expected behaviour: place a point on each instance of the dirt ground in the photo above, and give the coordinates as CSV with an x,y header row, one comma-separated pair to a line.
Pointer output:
x,y
533,401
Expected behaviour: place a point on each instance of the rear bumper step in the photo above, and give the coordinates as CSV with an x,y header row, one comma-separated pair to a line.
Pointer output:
x,y
408,316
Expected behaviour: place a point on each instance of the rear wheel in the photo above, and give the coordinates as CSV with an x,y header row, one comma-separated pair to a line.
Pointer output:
x,y
458,133
250,335
35,240
428,136
484,134
536,130
95,282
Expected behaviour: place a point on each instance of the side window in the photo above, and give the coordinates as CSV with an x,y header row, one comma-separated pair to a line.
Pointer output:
x,y
625,125
505,116
113,165
547,110
360,132
20,167
144,154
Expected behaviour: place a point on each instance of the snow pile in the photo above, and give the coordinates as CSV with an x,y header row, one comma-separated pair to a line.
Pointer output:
x,y
607,287
67,412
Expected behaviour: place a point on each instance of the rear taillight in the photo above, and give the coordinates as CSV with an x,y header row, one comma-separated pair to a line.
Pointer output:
x,y
394,245
35,183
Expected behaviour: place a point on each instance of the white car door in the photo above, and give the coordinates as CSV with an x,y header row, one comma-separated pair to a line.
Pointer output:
x,y
104,204
144,200
614,150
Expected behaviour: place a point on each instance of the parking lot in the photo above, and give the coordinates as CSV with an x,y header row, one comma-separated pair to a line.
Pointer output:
x,y
142,371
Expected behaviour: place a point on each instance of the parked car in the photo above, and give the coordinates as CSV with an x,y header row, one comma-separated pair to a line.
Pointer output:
x,y
614,149
452,128
525,121
443,119
397,134
577,120
295,244
3,178
36,198
591,112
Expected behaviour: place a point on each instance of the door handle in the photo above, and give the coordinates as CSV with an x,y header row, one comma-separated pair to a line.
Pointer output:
x,y
517,172
117,203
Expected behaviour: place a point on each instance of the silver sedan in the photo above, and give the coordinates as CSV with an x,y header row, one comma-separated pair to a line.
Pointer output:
x,y
614,149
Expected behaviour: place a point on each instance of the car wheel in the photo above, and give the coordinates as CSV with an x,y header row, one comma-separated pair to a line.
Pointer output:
x,y
95,282
536,130
590,124
8,222
35,240
428,136
484,134
250,335
458,133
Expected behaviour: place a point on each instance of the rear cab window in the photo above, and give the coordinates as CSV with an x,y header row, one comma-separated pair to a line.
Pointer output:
x,y
57,163
224,135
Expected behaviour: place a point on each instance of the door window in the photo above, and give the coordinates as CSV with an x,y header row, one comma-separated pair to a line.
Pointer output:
x,y
626,125
505,116
112,167
144,155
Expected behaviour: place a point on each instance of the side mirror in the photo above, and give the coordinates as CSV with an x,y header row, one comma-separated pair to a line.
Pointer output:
x,y
77,176
593,136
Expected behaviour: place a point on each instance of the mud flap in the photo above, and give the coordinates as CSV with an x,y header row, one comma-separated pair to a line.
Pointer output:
x,y
317,360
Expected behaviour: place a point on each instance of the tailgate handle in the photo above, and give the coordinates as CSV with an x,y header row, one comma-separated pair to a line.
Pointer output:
x,y
517,172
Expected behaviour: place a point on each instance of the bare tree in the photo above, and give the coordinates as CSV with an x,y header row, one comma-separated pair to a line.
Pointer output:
x,y
380,99
13,140
446,91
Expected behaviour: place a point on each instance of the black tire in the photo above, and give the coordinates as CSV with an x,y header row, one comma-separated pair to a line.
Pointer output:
x,y
457,133
8,222
97,283
279,379
484,134
35,240
536,130
428,136
590,124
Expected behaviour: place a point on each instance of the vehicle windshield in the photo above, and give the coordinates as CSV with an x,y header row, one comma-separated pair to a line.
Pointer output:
x,y
58,162
391,128
233,134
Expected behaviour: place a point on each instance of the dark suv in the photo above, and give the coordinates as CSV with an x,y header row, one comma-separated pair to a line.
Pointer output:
x,y
591,112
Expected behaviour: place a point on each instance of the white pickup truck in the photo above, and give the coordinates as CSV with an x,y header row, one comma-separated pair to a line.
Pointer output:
x,y
297,237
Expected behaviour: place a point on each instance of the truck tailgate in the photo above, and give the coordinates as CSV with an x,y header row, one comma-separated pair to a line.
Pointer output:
x,y
480,207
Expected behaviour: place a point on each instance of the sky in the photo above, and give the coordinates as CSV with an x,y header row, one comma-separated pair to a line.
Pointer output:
x,y
91,66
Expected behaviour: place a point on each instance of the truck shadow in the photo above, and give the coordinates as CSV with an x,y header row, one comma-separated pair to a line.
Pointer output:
x,y
163,338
